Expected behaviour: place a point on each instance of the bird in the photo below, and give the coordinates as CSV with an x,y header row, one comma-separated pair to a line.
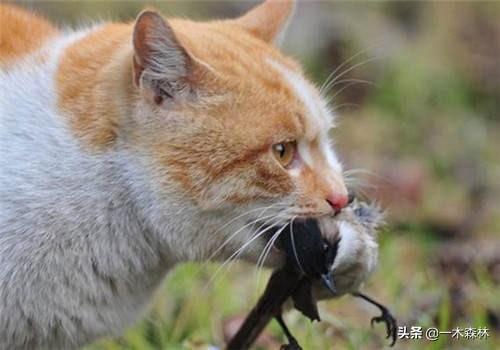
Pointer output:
x,y
337,253
326,258
354,230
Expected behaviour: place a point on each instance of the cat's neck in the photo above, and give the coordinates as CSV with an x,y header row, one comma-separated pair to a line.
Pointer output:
x,y
94,83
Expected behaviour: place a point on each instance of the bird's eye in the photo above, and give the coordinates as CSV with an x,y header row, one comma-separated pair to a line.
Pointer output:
x,y
285,152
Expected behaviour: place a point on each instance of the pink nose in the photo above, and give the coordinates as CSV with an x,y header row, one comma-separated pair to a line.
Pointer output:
x,y
337,201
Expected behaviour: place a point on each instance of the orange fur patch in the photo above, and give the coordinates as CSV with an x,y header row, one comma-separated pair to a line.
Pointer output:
x,y
93,79
21,33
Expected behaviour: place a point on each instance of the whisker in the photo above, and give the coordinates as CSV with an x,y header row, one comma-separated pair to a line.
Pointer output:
x,y
332,74
339,91
244,214
355,182
268,246
346,105
361,193
359,171
353,80
231,237
294,248
265,253
236,254
348,70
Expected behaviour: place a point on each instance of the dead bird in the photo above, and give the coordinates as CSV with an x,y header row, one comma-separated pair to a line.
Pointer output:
x,y
355,229
326,258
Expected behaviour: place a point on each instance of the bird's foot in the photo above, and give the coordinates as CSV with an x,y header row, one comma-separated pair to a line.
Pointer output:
x,y
386,317
292,342
390,323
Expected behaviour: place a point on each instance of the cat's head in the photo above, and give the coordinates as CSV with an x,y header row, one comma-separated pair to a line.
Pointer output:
x,y
228,120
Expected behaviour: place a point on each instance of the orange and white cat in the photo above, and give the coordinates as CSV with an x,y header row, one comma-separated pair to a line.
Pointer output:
x,y
127,148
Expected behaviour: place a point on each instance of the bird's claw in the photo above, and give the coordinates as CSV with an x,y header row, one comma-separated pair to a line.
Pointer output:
x,y
291,346
386,317
390,323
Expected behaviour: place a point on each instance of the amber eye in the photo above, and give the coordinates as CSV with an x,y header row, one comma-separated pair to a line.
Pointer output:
x,y
285,152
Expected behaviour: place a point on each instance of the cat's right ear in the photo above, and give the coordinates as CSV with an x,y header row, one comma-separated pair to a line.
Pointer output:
x,y
268,20
161,64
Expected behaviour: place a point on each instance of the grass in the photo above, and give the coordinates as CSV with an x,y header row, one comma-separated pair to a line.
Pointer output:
x,y
188,315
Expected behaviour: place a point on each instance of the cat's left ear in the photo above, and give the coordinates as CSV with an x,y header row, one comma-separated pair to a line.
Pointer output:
x,y
269,20
161,64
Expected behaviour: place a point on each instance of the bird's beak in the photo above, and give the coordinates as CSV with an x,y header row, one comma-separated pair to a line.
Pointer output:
x,y
329,282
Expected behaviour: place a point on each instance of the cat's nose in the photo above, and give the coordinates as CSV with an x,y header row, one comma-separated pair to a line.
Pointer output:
x,y
337,201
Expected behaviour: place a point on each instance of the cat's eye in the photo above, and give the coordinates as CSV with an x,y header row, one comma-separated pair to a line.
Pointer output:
x,y
285,152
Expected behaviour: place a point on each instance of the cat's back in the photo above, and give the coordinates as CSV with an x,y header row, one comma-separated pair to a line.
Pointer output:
x,y
31,126
36,145
26,68
21,33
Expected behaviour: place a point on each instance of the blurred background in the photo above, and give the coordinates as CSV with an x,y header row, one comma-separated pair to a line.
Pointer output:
x,y
417,93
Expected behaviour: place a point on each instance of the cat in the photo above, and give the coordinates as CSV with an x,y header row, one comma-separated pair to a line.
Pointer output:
x,y
129,148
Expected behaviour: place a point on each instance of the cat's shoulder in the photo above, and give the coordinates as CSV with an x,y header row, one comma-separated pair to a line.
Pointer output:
x,y
22,32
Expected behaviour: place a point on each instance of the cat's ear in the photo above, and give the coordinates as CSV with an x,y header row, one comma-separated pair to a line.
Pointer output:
x,y
161,64
268,20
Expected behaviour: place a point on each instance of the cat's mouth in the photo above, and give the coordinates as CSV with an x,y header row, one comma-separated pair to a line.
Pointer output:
x,y
274,235
303,243
270,237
